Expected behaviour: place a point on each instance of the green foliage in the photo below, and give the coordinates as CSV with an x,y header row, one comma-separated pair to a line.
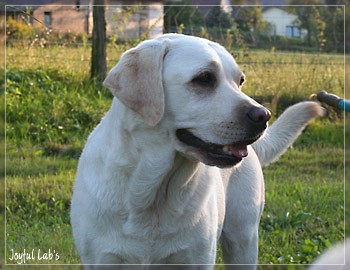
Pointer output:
x,y
22,33
250,19
218,18
18,29
324,25
320,27
334,29
181,15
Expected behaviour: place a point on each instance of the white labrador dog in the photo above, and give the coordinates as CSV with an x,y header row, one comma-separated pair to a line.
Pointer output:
x,y
175,165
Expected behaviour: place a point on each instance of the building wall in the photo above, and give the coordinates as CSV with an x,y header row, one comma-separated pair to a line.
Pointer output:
x,y
62,17
279,20
122,20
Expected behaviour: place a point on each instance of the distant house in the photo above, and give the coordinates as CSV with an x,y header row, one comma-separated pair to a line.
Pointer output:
x,y
282,23
17,9
75,16
64,16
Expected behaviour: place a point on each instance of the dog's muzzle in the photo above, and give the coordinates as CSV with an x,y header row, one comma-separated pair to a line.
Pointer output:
x,y
256,121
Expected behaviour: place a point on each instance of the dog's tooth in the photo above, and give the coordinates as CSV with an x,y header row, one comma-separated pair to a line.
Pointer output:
x,y
225,148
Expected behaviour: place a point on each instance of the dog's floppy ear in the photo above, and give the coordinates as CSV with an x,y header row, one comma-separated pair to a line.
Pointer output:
x,y
137,80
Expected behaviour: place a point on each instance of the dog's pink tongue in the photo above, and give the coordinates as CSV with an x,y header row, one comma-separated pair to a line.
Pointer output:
x,y
239,151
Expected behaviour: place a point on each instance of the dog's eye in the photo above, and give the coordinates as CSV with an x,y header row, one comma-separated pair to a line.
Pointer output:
x,y
241,81
207,79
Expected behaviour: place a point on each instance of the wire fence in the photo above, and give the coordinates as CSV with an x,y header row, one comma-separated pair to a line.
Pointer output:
x,y
82,54
318,59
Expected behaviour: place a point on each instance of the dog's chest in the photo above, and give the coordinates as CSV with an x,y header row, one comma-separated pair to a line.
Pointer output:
x,y
152,238
163,232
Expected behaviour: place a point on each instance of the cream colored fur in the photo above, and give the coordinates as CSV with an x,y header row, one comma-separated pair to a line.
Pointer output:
x,y
335,258
143,197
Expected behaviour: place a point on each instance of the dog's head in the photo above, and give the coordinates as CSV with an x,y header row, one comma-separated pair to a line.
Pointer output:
x,y
192,88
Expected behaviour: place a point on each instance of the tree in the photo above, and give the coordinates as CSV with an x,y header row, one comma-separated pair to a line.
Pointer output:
x,y
334,31
181,15
306,16
249,19
98,56
217,17
324,25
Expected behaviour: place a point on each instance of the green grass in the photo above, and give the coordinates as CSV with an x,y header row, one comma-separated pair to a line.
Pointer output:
x,y
51,107
304,209
38,207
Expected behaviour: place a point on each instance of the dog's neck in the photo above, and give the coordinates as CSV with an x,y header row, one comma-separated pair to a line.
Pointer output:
x,y
157,168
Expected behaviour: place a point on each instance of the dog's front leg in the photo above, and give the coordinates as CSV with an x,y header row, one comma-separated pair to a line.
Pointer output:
x,y
244,205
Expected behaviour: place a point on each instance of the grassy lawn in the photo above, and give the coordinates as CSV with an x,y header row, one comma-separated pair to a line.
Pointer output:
x,y
51,107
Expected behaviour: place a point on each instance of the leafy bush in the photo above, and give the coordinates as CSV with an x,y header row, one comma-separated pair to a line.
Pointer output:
x,y
21,33
18,30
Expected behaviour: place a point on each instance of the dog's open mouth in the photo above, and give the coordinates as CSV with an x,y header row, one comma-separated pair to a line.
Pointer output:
x,y
218,155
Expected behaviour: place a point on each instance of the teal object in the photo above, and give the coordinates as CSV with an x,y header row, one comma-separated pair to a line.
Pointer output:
x,y
334,101
344,105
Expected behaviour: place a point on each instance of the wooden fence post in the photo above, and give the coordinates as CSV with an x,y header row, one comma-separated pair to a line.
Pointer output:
x,y
98,57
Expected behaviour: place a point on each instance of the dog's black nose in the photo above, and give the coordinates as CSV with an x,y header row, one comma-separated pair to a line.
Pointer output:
x,y
259,115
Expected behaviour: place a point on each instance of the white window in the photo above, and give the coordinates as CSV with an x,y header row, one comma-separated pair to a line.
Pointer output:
x,y
293,31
